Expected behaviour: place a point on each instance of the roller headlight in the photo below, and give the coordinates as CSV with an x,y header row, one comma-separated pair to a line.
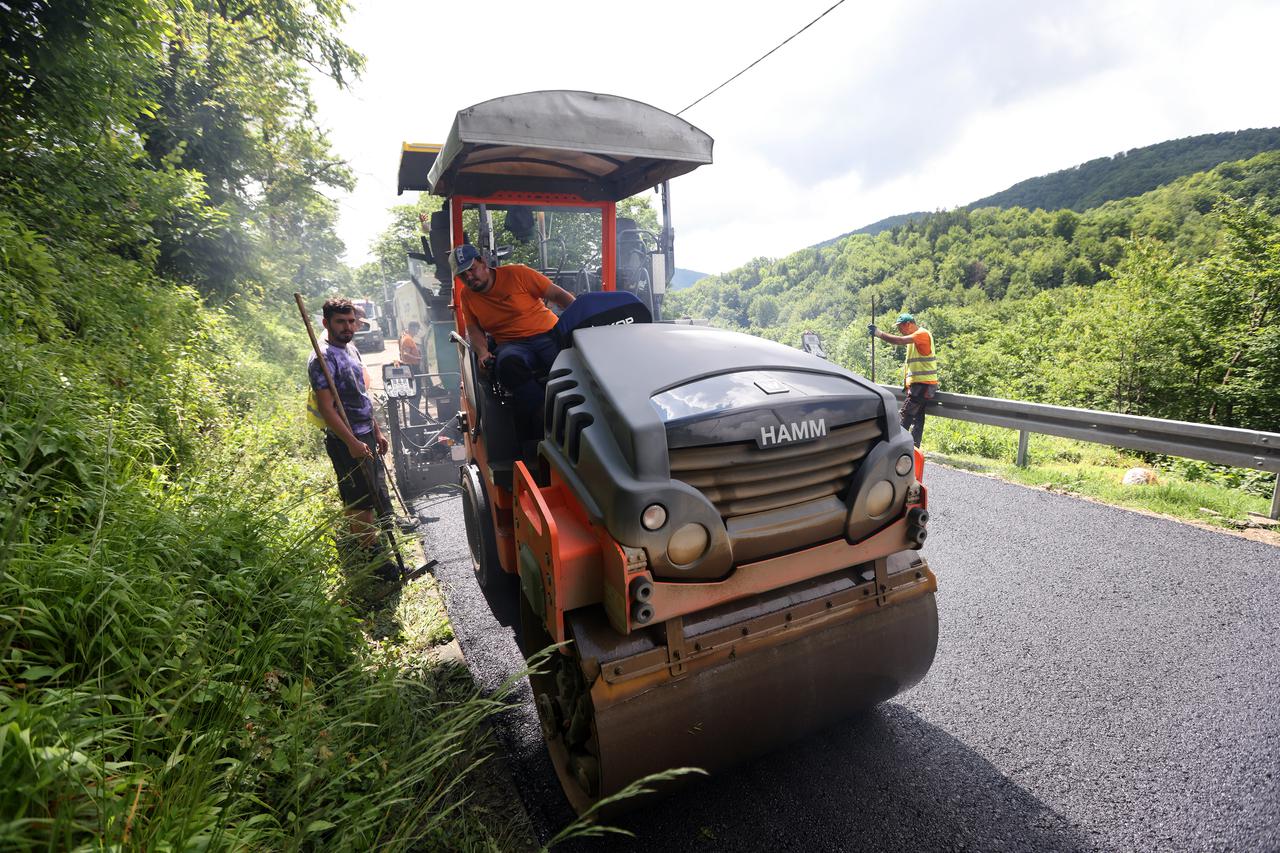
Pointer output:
x,y
653,517
879,498
905,464
688,544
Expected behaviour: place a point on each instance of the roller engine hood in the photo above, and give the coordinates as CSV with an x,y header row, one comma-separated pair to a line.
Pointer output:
x,y
763,447
666,386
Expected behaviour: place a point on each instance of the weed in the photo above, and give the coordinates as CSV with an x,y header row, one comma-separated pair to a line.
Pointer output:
x,y
1186,489
176,671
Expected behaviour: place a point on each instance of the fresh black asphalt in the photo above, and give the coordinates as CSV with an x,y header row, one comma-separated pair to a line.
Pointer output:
x,y
1105,680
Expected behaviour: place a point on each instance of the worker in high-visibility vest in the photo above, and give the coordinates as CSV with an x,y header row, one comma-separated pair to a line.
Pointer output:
x,y
410,354
921,371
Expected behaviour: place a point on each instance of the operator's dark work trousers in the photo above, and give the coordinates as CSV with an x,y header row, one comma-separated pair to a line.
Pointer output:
x,y
353,484
912,412
520,364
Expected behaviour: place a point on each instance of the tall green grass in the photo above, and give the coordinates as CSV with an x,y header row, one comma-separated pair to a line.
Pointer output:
x,y
1185,488
177,667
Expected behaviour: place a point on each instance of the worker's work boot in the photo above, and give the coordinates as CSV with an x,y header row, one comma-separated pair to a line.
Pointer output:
x,y
372,576
385,568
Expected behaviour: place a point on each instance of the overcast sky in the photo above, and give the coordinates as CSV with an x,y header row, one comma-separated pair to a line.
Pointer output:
x,y
878,109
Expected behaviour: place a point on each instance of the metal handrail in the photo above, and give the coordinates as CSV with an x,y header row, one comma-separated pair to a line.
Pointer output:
x,y
1241,448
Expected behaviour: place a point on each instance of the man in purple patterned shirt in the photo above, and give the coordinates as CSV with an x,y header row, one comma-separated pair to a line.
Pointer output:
x,y
348,448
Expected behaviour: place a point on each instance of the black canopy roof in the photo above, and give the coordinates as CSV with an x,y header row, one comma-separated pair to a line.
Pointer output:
x,y
599,147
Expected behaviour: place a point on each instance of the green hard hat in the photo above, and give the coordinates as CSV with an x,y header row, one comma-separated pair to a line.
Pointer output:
x,y
904,317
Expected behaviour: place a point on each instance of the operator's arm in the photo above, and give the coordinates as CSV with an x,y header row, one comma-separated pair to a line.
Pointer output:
x,y
479,342
546,289
476,336
557,294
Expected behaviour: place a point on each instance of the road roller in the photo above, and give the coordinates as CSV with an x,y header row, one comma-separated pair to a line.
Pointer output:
x,y
720,534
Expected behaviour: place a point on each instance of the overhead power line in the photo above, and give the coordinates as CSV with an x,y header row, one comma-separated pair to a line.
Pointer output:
x,y
763,58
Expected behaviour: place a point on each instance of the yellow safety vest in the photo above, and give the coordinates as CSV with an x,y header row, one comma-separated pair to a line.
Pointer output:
x,y
314,418
922,368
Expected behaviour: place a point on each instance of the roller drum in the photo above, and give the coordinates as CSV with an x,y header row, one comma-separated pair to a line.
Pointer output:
x,y
759,697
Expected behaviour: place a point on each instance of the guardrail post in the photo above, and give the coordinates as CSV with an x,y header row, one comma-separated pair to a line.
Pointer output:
x,y
1021,461
1275,500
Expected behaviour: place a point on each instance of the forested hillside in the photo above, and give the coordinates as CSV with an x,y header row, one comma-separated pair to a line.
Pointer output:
x,y
1133,172
1165,304
176,671
1126,174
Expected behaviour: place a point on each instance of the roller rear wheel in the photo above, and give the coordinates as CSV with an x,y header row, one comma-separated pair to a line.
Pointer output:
x,y
481,540
565,712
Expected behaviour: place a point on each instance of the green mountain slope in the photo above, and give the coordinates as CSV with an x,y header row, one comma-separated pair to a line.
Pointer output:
x,y
1123,175
685,278
878,226
1132,172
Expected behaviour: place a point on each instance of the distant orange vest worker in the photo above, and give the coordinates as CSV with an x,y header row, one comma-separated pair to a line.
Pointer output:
x,y
921,379
409,352
922,362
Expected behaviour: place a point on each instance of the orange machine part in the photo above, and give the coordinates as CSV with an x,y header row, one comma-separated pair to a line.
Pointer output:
x,y
567,552
499,500
582,565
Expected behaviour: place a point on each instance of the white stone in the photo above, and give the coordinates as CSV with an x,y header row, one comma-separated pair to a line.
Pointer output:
x,y
1140,477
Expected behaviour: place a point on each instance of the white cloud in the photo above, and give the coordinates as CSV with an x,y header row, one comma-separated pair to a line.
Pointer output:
x,y
878,109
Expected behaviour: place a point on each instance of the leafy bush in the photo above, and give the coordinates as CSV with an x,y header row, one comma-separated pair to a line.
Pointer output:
x,y
176,670
963,439
1260,483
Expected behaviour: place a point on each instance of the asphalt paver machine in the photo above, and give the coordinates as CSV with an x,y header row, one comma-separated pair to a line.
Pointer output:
x,y
423,423
423,394
723,532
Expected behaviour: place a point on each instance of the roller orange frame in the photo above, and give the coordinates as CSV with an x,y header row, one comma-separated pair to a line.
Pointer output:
x,y
581,564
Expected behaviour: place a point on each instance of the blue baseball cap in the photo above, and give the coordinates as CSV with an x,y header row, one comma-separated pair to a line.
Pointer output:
x,y
462,257
904,317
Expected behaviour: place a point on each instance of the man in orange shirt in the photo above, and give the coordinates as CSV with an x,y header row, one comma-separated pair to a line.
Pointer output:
x,y
921,381
507,303
409,352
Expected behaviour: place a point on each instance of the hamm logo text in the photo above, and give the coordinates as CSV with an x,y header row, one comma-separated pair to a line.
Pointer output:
x,y
792,432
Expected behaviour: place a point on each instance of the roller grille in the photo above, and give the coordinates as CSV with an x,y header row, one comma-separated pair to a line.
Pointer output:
x,y
741,478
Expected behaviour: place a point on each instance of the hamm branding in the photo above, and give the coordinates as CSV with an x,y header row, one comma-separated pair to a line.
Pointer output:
x,y
793,432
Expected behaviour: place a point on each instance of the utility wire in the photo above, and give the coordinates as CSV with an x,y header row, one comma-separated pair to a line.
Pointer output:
x,y
761,59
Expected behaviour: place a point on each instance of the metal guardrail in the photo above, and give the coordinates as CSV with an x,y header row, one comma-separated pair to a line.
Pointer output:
x,y
1241,448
